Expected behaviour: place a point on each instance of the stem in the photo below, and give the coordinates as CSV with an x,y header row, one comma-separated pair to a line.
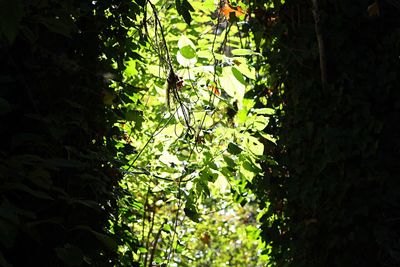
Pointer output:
x,y
149,140
321,44
148,237
155,243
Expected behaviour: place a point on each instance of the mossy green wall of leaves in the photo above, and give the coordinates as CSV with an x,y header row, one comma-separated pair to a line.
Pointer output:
x,y
333,187
58,170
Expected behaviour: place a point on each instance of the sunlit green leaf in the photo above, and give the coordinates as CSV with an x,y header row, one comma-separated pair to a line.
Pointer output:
x,y
156,71
142,250
169,159
188,52
205,54
184,41
244,52
242,65
185,62
232,83
258,122
254,145
265,111
167,228
222,184
238,75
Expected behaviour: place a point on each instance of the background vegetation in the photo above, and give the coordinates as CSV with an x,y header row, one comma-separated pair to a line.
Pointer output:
x,y
179,133
193,140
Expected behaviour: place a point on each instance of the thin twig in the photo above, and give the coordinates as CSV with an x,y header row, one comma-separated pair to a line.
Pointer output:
x,y
148,237
144,217
155,243
149,140
149,174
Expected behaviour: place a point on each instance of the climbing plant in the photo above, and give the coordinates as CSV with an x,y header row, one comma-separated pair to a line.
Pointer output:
x,y
191,130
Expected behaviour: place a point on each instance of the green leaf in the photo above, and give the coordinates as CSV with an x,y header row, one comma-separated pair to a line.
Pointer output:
x,y
242,116
142,250
8,234
3,261
131,68
201,185
184,41
204,5
64,163
186,55
254,146
136,116
167,228
190,209
184,7
188,52
222,184
5,107
242,65
156,71
244,52
250,166
169,159
192,214
234,149
185,62
269,137
238,75
41,177
70,255
259,122
248,175
205,54
12,213
108,241
232,82
27,189
229,161
60,26
265,111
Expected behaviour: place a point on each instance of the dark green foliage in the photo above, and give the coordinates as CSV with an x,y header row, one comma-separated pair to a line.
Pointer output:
x,y
57,169
184,8
333,185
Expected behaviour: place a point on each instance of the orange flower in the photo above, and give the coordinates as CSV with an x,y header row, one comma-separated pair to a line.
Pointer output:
x,y
205,238
214,90
227,9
